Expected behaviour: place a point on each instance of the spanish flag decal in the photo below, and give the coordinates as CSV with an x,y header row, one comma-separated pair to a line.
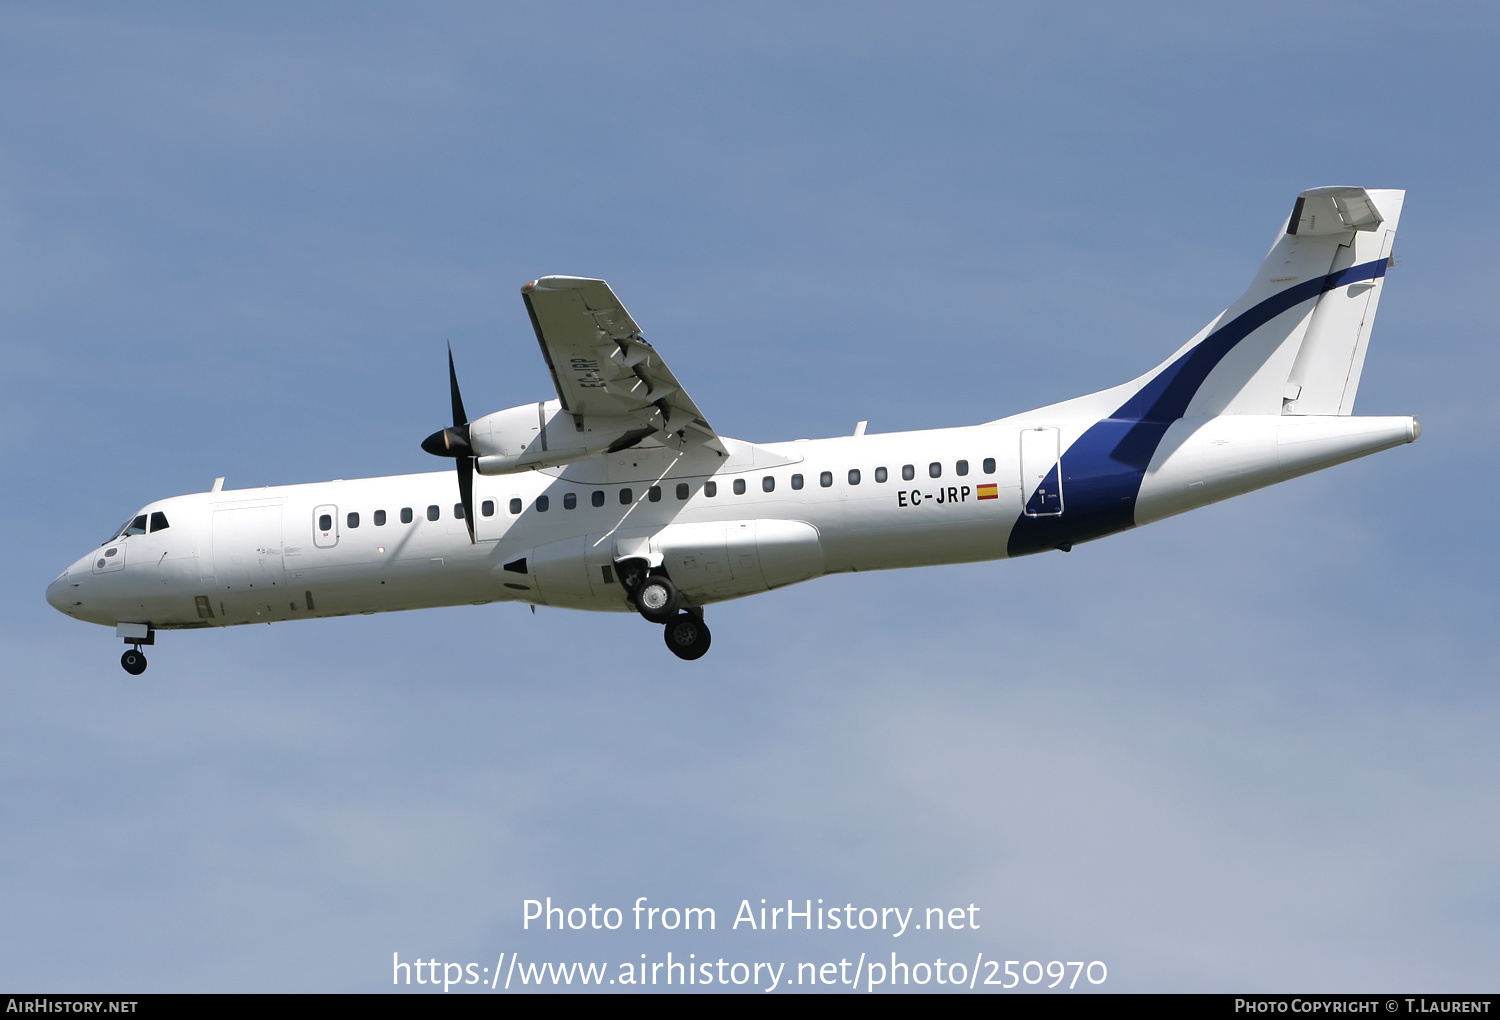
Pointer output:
x,y
988,491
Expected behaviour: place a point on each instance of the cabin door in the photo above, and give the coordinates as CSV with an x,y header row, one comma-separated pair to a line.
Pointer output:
x,y
1041,477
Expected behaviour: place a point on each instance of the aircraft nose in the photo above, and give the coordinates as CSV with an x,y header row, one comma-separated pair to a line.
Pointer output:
x,y
57,592
64,593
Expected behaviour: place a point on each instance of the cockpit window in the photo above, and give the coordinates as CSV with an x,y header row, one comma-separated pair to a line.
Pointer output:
x,y
135,527
158,521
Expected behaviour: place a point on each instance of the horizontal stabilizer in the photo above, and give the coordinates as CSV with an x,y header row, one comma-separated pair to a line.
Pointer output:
x,y
1333,211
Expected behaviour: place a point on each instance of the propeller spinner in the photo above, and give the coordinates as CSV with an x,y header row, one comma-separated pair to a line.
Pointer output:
x,y
454,442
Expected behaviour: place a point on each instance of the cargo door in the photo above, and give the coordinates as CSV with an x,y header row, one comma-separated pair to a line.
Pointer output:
x,y
247,559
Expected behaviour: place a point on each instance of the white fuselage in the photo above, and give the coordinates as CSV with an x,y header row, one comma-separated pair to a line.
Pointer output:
x,y
552,536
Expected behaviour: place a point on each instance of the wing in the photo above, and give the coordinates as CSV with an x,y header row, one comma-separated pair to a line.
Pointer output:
x,y
601,365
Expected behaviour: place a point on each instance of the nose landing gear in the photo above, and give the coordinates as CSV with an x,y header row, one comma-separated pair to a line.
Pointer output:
x,y
135,635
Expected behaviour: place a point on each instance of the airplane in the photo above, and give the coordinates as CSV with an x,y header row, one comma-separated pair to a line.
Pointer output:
x,y
618,495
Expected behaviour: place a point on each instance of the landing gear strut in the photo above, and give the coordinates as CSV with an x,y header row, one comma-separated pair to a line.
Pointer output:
x,y
687,635
134,661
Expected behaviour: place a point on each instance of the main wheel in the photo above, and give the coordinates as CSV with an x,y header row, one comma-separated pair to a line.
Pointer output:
x,y
687,636
134,662
657,599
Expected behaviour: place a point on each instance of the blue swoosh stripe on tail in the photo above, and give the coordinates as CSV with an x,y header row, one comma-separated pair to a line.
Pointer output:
x,y
1102,471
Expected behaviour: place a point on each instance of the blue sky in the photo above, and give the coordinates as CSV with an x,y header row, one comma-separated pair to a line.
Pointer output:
x,y
1246,749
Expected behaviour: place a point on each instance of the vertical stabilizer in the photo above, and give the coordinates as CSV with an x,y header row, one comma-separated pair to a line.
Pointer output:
x,y
1325,376
1295,342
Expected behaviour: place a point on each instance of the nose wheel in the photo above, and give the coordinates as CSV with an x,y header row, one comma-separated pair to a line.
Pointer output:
x,y
134,661
687,636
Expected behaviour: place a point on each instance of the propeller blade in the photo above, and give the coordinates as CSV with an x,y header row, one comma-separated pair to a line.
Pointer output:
x,y
459,417
466,493
454,442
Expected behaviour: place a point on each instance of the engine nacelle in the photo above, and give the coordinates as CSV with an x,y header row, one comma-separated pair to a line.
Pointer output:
x,y
544,435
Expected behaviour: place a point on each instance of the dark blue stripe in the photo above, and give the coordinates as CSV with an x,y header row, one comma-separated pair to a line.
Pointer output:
x,y
1102,471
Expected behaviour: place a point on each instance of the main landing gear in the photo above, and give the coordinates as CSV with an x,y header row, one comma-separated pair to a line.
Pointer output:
x,y
134,661
687,635
657,599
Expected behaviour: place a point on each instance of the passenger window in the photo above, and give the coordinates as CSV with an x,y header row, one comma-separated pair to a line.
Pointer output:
x,y
543,504
739,486
570,500
825,479
768,484
158,522
989,465
597,498
325,522
880,474
710,488
908,472
380,517
682,490
935,469
654,494
626,496
458,511
796,481
515,504
487,508
433,513
352,520
854,476
135,527
961,468
406,515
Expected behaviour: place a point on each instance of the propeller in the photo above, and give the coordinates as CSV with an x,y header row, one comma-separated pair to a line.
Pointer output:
x,y
454,442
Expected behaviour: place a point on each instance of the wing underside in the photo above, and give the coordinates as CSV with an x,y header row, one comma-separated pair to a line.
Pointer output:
x,y
602,366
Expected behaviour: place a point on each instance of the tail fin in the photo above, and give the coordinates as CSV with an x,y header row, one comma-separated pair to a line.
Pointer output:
x,y
1295,342
1325,376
